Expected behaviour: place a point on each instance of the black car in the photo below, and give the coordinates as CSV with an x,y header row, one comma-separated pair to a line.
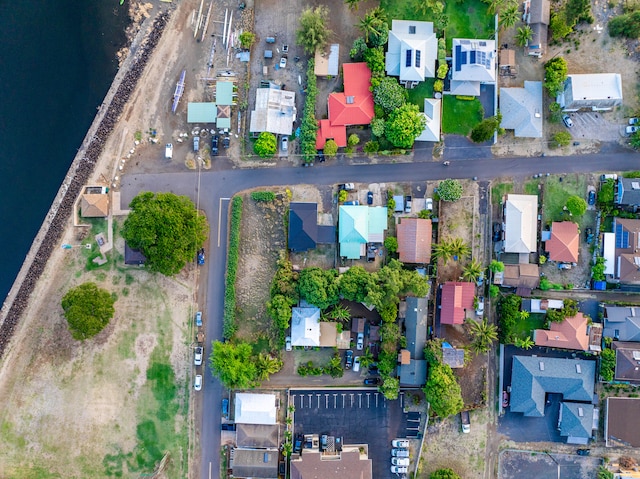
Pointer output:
x,y
297,445
320,155
591,199
588,235
583,452
497,232
372,381
348,359
228,426
214,145
369,197
226,141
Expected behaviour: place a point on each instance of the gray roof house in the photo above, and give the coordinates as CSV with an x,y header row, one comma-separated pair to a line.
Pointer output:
x,y
622,323
412,52
255,463
627,359
415,373
592,91
537,14
533,377
628,192
576,422
521,109
474,63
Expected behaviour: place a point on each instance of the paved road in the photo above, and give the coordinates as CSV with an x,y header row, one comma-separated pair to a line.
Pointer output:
x,y
212,188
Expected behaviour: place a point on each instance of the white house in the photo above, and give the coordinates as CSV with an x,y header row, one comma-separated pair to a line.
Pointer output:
x,y
412,52
521,231
593,91
255,408
432,109
474,63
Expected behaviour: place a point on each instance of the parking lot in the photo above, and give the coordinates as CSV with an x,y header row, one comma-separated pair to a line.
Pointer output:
x,y
518,464
359,416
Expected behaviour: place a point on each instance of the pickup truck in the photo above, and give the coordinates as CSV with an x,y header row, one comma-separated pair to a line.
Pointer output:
x,y
465,421
347,186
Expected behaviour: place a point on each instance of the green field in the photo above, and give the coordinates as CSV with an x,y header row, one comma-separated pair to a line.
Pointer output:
x,y
499,190
556,193
420,92
460,116
525,327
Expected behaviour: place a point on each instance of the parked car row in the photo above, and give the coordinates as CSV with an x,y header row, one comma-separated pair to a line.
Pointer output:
x,y
400,456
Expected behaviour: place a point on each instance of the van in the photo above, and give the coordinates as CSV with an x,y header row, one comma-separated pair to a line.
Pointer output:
x,y
610,176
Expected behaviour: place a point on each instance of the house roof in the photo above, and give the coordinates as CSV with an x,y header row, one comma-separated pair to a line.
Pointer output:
x,y
539,39
456,298
622,422
541,305
507,57
564,243
539,12
304,231
412,50
533,377
275,111
327,63
305,327
354,106
133,256
328,335
454,357
622,323
257,435
414,240
572,333
255,463
94,205
351,464
474,60
415,322
224,93
254,408
521,230
464,88
599,90
627,245
326,132
201,112
628,192
432,116
358,225
525,275
404,356
577,420
521,109
414,373
627,361
357,325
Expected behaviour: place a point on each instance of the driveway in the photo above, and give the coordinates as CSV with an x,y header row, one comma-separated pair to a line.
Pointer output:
x,y
359,416
594,125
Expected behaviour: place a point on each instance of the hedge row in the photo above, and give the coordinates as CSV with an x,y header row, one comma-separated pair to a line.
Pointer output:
x,y
309,127
263,196
229,322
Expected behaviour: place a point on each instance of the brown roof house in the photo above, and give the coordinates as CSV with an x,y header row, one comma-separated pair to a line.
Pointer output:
x,y
564,244
94,205
627,361
572,333
456,300
622,422
537,14
348,463
414,240
627,250
523,275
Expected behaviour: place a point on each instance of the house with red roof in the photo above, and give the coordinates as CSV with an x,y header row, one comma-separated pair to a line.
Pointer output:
x,y
564,243
457,298
354,106
576,332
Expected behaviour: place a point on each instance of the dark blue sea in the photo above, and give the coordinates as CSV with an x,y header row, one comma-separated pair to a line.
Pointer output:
x,y
57,61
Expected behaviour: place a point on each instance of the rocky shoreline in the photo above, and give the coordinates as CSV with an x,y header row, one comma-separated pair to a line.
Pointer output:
x,y
79,173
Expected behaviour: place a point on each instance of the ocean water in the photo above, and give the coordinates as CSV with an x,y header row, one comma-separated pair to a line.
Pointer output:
x,y
57,61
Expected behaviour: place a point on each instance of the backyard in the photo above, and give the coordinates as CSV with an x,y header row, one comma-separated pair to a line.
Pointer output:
x,y
460,116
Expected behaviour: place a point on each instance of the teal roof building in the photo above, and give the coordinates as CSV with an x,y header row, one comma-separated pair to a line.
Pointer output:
x,y
218,112
359,225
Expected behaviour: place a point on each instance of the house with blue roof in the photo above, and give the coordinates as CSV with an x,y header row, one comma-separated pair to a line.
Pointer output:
x,y
414,374
359,225
577,422
622,323
474,63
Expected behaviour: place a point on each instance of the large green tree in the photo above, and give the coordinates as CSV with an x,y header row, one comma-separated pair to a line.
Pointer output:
x,y
404,125
444,474
375,27
510,16
442,391
265,145
390,388
313,33
484,130
318,287
450,190
389,94
355,283
167,229
233,364
87,309
576,205
555,75
471,272
626,25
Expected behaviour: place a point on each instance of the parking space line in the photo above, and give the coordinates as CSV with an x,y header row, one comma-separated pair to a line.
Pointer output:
x,y
351,399
335,398
376,399
326,401
402,400
359,400
318,400
368,400
343,396
310,401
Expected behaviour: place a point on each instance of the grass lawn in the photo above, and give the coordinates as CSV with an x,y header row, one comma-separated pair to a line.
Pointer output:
x,y
524,327
420,92
460,116
556,193
531,187
499,190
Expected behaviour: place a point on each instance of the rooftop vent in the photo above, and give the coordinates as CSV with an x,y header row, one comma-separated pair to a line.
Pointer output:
x,y
412,29
635,185
541,366
350,100
580,412
578,369
636,355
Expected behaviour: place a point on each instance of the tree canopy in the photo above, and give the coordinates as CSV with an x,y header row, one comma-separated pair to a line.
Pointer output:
x,y
233,365
625,25
484,130
313,33
442,391
265,145
450,190
404,125
166,228
576,205
355,283
389,94
318,287
444,474
87,309
555,75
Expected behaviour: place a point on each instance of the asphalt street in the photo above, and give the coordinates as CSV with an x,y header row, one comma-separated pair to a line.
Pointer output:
x,y
212,189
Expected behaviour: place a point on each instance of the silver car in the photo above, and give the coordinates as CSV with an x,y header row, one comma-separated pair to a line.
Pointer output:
x,y
567,121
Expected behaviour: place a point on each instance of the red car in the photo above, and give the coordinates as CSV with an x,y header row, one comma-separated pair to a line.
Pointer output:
x,y
505,399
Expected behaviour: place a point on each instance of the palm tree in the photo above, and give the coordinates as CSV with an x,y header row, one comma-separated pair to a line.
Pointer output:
x,y
340,313
352,4
483,335
472,271
524,315
494,6
524,35
442,251
267,365
526,343
510,16
459,248
367,358
373,24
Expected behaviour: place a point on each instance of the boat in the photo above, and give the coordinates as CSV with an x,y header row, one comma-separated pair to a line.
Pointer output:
x,y
179,91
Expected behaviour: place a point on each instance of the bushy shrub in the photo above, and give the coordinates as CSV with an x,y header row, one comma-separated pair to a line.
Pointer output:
x,y
263,196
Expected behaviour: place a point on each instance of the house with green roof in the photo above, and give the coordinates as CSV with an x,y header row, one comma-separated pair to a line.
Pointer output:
x,y
359,225
532,378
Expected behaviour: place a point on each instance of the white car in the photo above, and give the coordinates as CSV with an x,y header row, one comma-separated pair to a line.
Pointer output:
x,y
168,151
567,121
197,383
197,357
400,461
283,62
360,342
631,129
480,308
287,344
401,443
285,144
399,469
400,452
356,364
428,204
633,121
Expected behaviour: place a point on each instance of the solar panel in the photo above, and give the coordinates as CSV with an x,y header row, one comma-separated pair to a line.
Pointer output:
x,y
412,29
458,57
408,62
472,57
622,237
418,58
463,58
